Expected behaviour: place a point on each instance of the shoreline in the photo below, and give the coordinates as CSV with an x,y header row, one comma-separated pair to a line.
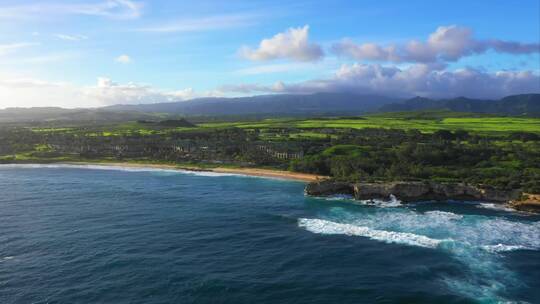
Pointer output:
x,y
529,203
257,172
414,191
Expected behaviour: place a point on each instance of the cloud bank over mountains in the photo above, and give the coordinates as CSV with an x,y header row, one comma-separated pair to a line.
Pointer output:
x,y
416,80
377,71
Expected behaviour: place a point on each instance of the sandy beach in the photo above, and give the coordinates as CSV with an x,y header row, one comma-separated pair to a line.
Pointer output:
x,y
280,174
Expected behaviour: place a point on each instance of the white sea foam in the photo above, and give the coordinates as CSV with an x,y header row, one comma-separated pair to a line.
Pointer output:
x,y
475,230
393,202
498,207
443,214
127,168
328,227
475,240
340,197
504,248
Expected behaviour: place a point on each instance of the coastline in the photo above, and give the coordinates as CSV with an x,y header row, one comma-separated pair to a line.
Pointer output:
x,y
413,191
258,172
318,185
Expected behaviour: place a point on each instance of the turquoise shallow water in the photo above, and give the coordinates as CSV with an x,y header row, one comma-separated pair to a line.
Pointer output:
x,y
106,235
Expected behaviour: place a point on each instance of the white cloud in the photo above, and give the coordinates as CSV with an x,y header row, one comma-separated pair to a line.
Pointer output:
x,y
108,92
419,79
71,37
280,68
124,59
292,44
117,9
12,47
201,24
28,83
447,43
19,91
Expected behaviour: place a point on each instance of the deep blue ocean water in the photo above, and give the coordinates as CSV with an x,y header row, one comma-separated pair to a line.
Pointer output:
x,y
88,235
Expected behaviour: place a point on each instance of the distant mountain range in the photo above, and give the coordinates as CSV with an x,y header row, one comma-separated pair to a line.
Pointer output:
x,y
515,105
53,114
319,104
313,104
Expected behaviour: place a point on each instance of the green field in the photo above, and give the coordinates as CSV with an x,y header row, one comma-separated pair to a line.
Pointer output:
x,y
426,122
480,125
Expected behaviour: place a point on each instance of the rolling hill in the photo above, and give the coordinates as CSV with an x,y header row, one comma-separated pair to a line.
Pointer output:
x,y
515,105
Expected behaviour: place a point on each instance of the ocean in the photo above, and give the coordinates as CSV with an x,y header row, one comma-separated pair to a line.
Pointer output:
x,y
89,234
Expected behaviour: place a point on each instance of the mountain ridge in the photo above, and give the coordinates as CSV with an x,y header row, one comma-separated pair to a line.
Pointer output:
x,y
317,104
514,105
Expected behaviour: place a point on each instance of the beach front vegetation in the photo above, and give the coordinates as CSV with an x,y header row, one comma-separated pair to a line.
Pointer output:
x,y
500,151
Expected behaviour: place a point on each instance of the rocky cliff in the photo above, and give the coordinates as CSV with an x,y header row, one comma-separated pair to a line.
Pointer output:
x,y
412,191
528,203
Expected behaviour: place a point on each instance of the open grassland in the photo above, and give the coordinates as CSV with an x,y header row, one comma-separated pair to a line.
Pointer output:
x,y
479,125
426,122
123,129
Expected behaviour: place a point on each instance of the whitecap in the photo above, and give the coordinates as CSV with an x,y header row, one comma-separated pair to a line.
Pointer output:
x,y
498,207
334,197
327,227
504,248
443,215
476,240
393,202
339,197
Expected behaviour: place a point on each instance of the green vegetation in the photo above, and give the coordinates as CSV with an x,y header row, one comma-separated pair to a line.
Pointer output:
x,y
424,123
430,145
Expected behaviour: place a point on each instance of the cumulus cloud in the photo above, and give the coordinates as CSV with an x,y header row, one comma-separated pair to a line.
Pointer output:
x,y
124,59
419,79
447,43
292,44
117,9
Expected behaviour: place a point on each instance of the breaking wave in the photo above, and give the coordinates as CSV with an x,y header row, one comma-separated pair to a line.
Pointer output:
x,y
393,202
478,241
498,207
443,214
505,248
336,197
328,227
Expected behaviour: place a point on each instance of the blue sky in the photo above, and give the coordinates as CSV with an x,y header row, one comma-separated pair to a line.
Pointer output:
x,y
99,52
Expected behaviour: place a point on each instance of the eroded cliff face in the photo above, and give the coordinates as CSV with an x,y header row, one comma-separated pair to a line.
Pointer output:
x,y
327,187
412,191
528,203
